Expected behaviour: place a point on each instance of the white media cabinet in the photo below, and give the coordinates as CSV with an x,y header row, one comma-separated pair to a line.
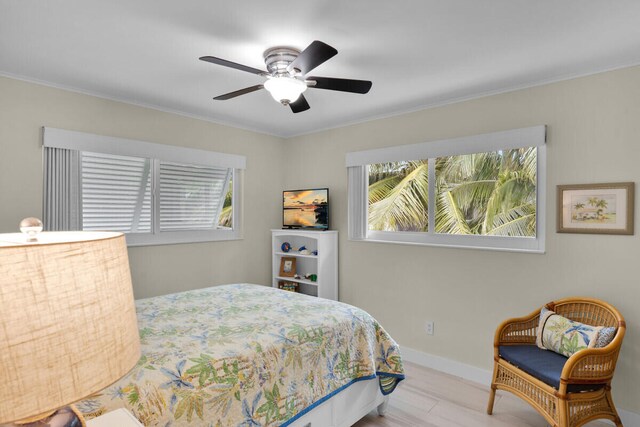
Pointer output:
x,y
324,265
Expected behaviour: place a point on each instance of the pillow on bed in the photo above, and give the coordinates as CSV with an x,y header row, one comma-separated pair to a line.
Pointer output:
x,y
566,337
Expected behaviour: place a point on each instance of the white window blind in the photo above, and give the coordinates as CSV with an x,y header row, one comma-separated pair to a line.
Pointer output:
x,y
116,193
191,197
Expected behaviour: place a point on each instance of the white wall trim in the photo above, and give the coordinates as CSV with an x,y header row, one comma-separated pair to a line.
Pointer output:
x,y
448,366
478,375
534,136
82,141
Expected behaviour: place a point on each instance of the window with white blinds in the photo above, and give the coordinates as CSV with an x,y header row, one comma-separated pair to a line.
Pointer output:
x,y
154,193
191,197
116,193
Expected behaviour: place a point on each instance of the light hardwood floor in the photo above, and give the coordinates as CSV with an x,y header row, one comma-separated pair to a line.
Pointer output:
x,y
434,399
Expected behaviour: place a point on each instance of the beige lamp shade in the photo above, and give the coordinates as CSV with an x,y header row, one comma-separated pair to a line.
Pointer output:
x,y
68,324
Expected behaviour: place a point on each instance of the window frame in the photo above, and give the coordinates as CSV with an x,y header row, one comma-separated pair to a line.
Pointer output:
x,y
358,162
85,142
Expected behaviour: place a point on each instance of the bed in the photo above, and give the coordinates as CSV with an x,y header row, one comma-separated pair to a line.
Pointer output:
x,y
250,355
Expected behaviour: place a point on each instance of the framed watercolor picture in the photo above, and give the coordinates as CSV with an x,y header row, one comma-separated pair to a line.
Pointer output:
x,y
287,266
596,208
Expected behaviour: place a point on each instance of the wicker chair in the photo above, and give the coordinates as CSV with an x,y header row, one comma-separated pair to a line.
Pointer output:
x,y
583,392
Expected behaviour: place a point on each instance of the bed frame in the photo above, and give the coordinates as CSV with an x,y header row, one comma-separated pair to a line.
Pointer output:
x,y
347,407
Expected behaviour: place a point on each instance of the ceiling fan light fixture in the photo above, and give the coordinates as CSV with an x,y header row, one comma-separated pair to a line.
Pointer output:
x,y
285,89
287,75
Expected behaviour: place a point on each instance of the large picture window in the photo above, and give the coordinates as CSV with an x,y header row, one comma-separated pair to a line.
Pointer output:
x,y
155,194
485,191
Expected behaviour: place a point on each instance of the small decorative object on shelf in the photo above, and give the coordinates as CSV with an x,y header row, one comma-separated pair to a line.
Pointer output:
x,y
288,286
287,266
31,227
302,248
286,247
314,253
312,277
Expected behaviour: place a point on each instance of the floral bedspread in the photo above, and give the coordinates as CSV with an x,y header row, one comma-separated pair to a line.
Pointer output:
x,y
246,355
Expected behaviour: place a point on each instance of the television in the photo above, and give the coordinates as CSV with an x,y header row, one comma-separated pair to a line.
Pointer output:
x,y
307,209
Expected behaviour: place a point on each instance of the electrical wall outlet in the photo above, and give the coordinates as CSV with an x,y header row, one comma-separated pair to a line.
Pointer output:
x,y
428,327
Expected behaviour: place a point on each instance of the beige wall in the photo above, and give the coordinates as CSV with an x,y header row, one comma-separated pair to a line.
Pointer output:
x,y
26,107
593,136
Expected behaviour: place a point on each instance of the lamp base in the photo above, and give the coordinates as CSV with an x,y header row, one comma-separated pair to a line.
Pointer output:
x,y
67,416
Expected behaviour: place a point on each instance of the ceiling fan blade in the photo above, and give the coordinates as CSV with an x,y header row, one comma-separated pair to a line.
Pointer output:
x,y
238,93
343,85
300,105
230,64
315,54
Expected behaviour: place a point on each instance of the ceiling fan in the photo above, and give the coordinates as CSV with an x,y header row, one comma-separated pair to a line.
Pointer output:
x,y
287,75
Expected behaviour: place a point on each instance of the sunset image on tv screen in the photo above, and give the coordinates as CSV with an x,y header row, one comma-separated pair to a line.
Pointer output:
x,y
306,209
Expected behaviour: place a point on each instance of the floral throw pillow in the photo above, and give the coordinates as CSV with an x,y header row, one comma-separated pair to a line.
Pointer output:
x,y
566,337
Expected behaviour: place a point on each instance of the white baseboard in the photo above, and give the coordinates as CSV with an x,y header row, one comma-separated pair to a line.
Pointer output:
x,y
448,366
479,375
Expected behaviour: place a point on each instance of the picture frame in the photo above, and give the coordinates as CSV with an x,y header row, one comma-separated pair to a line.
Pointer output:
x,y
287,266
606,208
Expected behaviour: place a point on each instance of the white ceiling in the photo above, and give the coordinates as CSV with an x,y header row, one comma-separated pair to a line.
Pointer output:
x,y
416,52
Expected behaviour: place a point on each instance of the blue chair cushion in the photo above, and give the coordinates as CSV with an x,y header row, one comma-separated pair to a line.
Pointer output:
x,y
542,364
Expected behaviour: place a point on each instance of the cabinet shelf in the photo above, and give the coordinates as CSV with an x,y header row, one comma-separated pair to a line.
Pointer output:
x,y
296,254
291,279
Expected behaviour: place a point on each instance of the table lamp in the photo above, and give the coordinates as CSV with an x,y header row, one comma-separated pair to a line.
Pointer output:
x,y
68,324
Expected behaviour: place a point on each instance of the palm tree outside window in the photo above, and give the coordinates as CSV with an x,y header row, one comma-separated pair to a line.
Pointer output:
x,y
491,193
483,191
